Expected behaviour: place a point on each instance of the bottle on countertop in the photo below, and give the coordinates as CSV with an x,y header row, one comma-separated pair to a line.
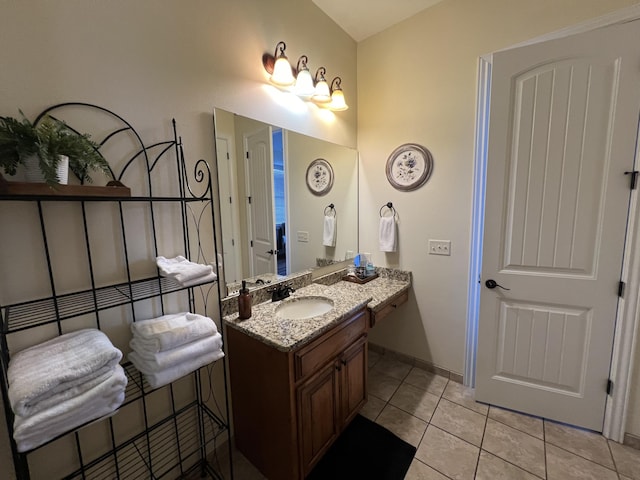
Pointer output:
x,y
244,302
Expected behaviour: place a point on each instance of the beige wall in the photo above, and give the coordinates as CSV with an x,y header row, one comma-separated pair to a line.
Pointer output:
x,y
417,83
151,60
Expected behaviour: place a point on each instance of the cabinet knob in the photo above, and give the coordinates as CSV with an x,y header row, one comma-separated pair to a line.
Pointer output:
x,y
344,362
338,368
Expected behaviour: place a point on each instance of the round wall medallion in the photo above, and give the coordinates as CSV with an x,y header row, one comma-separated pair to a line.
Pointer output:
x,y
320,176
409,166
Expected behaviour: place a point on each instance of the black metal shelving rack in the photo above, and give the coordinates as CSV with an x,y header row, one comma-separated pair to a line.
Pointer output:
x,y
186,435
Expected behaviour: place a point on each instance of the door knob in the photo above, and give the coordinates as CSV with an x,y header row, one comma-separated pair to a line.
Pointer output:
x,y
272,252
493,284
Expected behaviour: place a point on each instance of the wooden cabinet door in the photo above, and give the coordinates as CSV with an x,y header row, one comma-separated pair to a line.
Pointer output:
x,y
353,383
318,414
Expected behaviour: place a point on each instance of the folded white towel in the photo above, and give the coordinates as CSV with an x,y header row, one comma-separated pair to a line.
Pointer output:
x,y
329,231
31,408
32,431
164,377
64,362
199,280
171,331
181,269
154,362
387,234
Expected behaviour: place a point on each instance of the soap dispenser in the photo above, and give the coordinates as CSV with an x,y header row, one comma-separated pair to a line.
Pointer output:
x,y
244,302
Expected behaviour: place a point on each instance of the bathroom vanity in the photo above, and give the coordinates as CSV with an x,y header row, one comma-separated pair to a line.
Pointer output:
x,y
296,383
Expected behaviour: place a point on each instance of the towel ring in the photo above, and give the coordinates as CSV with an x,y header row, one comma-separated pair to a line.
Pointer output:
x,y
389,205
331,208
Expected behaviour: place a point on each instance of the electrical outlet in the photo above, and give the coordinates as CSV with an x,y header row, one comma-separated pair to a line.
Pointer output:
x,y
303,236
439,247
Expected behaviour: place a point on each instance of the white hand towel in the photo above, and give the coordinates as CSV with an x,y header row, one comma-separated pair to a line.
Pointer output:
x,y
329,231
171,331
164,377
387,234
56,365
181,269
155,362
32,431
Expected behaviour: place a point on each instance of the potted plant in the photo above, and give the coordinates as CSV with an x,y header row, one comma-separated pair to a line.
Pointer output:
x,y
24,143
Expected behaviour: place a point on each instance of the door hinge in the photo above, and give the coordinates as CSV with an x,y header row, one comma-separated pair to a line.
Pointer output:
x,y
249,198
230,200
251,242
228,156
634,178
621,287
233,242
247,153
609,386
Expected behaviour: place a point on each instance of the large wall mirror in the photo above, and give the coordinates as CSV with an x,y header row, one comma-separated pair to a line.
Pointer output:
x,y
273,221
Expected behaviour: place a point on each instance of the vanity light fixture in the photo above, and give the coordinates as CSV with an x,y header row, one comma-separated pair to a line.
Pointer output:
x,y
321,95
338,102
304,82
279,67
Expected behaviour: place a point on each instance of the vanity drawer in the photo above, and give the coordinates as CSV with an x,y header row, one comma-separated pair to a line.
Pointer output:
x,y
311,357
391,305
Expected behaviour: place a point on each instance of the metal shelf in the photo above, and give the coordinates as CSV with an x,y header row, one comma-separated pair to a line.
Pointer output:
x,y
35,313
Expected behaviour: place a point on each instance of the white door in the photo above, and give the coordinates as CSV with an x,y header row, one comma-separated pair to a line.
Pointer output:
x,y
228,210
262,235
563,123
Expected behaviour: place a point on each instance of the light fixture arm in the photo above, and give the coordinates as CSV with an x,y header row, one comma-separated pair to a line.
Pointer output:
x,y
302,63
336,84
322,71
282,46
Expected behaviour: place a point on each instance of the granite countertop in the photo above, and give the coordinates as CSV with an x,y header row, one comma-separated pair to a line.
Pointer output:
x,y
380,289
286,335
348,297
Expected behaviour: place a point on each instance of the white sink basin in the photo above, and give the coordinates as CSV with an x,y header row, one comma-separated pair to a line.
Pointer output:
x,y
302,308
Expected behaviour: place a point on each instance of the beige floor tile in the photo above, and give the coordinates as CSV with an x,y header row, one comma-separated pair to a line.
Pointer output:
x,y
407,427
392,367
420,471
372,408
448,454
427,381
373,358
491,467
589,445
459,421
514,446
464,396
519,421
381,385
627,460
563,465
415,401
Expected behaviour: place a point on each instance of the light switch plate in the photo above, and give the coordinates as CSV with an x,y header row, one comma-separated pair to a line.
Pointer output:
x,y
439,247
303,236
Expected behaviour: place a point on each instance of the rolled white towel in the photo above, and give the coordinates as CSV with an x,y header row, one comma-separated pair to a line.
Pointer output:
x,y
34,430
171,331
168,375
154,362
64,362
181,269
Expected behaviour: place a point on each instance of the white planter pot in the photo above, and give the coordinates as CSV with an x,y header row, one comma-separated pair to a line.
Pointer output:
x,y
33,174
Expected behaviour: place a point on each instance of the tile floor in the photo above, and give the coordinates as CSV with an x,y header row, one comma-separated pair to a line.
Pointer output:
x,y
459,439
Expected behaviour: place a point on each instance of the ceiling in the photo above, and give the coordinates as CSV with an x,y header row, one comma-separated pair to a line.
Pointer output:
x,y
363,18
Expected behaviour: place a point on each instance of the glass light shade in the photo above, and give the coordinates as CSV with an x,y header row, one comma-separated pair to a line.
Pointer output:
x,y
282,75
337,101
304,84
321,94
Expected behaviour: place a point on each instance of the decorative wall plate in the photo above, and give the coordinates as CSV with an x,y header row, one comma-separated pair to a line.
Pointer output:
x,y
409,166
320,177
